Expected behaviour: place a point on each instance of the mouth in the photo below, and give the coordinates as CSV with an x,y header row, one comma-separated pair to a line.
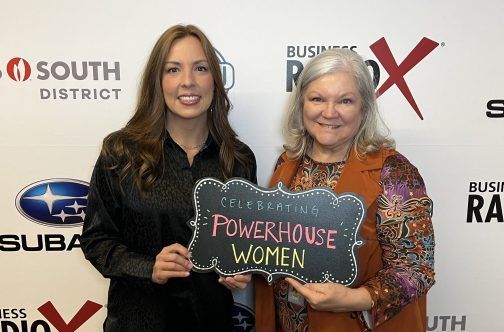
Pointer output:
x,y
330,126
189,99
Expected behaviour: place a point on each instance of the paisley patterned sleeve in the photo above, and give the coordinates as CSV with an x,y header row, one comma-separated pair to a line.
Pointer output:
x,y
406,236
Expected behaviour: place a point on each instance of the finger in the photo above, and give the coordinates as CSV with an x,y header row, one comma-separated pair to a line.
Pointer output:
x,y
176,248
171,266
174,257
223,282
231,282
235,283
307,293
163,276
241,281
293,282
243,278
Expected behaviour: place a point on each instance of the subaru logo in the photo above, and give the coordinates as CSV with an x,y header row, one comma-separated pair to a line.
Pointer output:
x,y
54,202
243,318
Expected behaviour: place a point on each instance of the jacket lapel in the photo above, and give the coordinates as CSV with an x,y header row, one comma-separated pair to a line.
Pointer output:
x,y
362,176
284,173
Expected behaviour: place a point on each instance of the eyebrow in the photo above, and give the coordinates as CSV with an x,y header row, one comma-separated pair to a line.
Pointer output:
x,y
345,94
194,63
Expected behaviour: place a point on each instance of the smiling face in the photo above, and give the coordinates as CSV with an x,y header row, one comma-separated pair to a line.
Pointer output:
x,y
188,84
332,114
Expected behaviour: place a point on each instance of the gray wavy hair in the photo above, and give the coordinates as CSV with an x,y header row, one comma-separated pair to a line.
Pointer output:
x,y
372,135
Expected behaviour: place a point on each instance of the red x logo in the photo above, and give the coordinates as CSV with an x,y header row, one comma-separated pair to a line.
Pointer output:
x,y
52,315
382,51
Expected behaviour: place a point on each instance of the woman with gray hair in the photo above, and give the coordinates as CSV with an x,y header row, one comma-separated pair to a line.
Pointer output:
x,y
336,139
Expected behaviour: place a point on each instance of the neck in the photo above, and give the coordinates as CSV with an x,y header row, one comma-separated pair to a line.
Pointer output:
x,y
326,155
187,133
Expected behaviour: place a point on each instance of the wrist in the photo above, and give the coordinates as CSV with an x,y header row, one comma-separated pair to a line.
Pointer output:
x,y
361,299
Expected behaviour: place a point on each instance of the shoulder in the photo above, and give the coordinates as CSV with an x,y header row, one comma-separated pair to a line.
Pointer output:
x,y
399,171
281,160
245,149
396,162
113,139
245,162
244,154
285,161
115,147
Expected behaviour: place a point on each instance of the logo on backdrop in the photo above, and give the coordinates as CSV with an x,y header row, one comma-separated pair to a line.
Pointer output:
x,y
382,51
446,323
484,202
15,319
54,202
81,72
243,318
18,69
495,108
294,67
227,70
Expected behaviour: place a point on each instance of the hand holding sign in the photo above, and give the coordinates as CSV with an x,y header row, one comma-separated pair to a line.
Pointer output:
x,y
238,281
171,262
333,297
240,228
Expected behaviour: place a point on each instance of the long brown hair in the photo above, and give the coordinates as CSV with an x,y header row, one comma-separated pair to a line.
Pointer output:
x,y
137,148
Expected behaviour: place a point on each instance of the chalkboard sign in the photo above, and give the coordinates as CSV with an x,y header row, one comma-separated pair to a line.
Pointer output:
x,y
310,235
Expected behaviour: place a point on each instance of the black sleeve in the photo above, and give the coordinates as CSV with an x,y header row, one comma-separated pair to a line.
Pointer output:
x,y
101,240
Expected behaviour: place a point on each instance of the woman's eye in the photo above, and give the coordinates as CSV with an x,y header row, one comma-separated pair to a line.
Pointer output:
x,y
316,99
171,70
201,68
346,101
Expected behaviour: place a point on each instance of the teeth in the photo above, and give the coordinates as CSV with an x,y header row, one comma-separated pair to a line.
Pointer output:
x,y
330,126
189,98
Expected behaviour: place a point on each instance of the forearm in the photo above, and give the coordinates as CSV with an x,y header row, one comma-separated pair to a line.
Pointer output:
x,y
357,299
114,260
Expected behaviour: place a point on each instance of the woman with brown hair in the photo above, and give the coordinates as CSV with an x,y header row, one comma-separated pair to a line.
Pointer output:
x,y
140,195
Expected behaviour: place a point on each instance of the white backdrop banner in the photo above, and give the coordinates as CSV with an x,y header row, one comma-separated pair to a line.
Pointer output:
x,y
69,73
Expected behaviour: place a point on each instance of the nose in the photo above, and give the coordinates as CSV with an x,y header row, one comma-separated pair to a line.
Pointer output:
x,y
187,79
330,110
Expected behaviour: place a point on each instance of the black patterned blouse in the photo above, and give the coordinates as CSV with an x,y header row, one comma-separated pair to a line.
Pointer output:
x,y
123,232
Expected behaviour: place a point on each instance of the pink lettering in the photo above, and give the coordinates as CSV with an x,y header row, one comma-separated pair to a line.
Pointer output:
x,y
217,223
269,226
330,239
258,229
320,236
299,230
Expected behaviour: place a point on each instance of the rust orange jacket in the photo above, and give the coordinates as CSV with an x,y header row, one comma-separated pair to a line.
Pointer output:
x,y
362,177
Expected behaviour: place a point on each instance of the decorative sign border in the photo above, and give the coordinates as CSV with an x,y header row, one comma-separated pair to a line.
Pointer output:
x,y
212,191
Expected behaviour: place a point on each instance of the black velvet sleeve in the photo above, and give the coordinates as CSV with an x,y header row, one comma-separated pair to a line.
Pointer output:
x,y
101,240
